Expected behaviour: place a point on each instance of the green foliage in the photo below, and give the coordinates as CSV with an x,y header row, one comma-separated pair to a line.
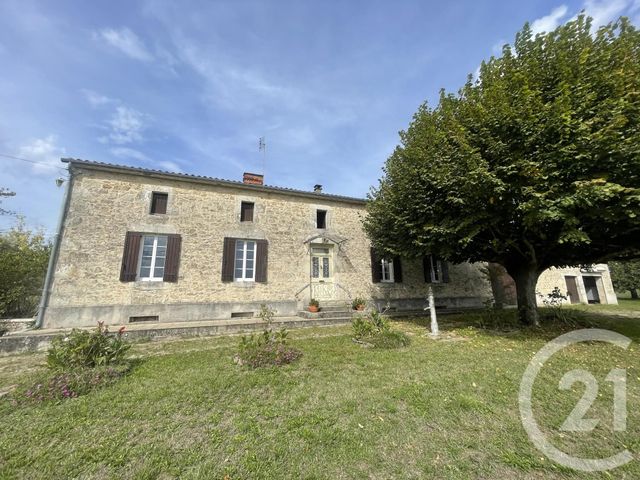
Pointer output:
x,y
23,264
314,303
267,313
266,349
61,385
374,329
358,301
87,349
626,276
535,164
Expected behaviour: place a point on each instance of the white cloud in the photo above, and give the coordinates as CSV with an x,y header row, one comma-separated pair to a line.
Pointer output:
x,y
125,152
46,152
605,11
126,125
169,166
96,99
549,22
127,42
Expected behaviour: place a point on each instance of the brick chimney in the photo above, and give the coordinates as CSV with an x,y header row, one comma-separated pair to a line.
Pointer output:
x,y
253,178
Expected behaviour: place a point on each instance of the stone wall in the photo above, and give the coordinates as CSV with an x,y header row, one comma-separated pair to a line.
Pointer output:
x,y
104,205
555,277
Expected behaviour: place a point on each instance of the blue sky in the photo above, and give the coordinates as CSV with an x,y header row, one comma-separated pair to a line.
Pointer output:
x,y
191,86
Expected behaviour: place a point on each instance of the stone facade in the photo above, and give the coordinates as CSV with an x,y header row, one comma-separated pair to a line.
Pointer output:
x,y
592,285
107,201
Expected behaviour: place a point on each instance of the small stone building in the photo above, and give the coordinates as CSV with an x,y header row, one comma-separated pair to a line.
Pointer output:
x,y
589,285
144,245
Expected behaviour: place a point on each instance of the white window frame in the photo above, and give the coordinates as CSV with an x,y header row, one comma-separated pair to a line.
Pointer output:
x,y
244,277
386,275
152,268
435,271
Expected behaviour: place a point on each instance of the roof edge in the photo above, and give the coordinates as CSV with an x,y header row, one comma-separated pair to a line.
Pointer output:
x,y
146,172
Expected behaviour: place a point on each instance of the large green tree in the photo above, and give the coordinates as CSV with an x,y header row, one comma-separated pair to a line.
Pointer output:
x,y
23,264
626,276
535,164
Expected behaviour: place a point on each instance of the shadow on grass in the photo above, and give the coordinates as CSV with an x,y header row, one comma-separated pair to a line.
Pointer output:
x,y
553,321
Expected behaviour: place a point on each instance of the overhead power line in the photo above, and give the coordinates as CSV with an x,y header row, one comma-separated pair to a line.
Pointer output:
x,y
13,157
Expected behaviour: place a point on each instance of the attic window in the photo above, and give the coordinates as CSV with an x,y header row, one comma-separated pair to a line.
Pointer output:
x,y
321,219
246,212
159,202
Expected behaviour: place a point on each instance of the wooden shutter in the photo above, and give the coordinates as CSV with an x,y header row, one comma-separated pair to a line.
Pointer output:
x,y
376,267
262,260
228,259
172,262
246,212
129,269
159,202
397,270
426,268
445,272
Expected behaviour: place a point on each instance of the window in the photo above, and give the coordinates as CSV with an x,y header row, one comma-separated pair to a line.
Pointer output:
x,y
321,219
435,269
152,257
387,270
245,261
159,202
246,212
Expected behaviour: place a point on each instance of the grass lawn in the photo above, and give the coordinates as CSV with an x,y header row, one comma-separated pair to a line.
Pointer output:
x,y
437,409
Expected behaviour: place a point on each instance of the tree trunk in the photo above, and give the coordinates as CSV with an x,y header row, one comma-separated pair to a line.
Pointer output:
x,y
634,293
526,277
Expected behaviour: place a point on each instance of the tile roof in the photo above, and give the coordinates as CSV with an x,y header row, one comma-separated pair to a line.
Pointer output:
x,y
205,179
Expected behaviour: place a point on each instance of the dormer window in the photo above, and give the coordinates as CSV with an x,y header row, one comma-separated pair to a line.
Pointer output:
x,y
246,212
159,203
321,219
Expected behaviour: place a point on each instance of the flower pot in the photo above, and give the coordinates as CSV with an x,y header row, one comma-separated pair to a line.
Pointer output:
x,y
313,308
359,308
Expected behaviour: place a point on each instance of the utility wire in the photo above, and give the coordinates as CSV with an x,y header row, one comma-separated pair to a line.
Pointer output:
x,y
31,161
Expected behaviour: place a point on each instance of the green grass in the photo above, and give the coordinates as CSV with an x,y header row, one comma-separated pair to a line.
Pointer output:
x,y
439,409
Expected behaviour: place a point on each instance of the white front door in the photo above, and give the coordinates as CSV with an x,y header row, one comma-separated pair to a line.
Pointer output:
x,y
322,285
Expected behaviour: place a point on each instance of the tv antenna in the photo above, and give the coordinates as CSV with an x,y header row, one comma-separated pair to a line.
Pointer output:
x,y
262,147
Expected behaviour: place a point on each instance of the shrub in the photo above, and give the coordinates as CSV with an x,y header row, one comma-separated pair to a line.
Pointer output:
x,y
87,349
390,339
266,349
314,303
373,329
357,302
62,385
3,328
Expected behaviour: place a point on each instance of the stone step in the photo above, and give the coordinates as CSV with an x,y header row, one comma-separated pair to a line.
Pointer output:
x,y
325,314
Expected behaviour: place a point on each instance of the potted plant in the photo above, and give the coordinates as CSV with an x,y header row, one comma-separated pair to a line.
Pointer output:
x,y
314,305
358,303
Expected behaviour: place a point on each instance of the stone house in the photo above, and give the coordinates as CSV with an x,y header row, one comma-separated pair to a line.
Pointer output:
x,y
144,245
589,285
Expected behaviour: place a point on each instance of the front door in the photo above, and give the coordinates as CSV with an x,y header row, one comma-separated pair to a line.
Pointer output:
x,y
322,285
572,289
591,287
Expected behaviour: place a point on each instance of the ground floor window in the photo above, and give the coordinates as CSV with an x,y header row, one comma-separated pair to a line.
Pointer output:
x,y
435,269
245,260
152,257
387,270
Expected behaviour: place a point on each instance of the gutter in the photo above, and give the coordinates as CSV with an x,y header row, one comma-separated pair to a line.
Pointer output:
x,y
53,258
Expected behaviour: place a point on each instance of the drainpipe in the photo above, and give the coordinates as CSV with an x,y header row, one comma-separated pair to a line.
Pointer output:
x,y
53,257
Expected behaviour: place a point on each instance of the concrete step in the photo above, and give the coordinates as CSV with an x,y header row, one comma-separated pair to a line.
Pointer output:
x,y
325,314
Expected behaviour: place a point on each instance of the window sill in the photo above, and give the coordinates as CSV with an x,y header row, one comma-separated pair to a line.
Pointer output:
x,y
244,283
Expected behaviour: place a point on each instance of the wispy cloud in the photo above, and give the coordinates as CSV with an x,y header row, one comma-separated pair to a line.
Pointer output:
x,y
605,11
96,99
127,125
127,42
549,22
131,153
45,151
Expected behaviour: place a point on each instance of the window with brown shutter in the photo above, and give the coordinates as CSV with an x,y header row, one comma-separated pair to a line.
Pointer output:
x,y
397,270
262,260
228,258
172,262
435,270
246,212
129,268
376,267
159,202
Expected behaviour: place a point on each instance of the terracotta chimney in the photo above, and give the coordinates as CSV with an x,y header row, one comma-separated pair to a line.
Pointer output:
x,y
317,188
253,178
